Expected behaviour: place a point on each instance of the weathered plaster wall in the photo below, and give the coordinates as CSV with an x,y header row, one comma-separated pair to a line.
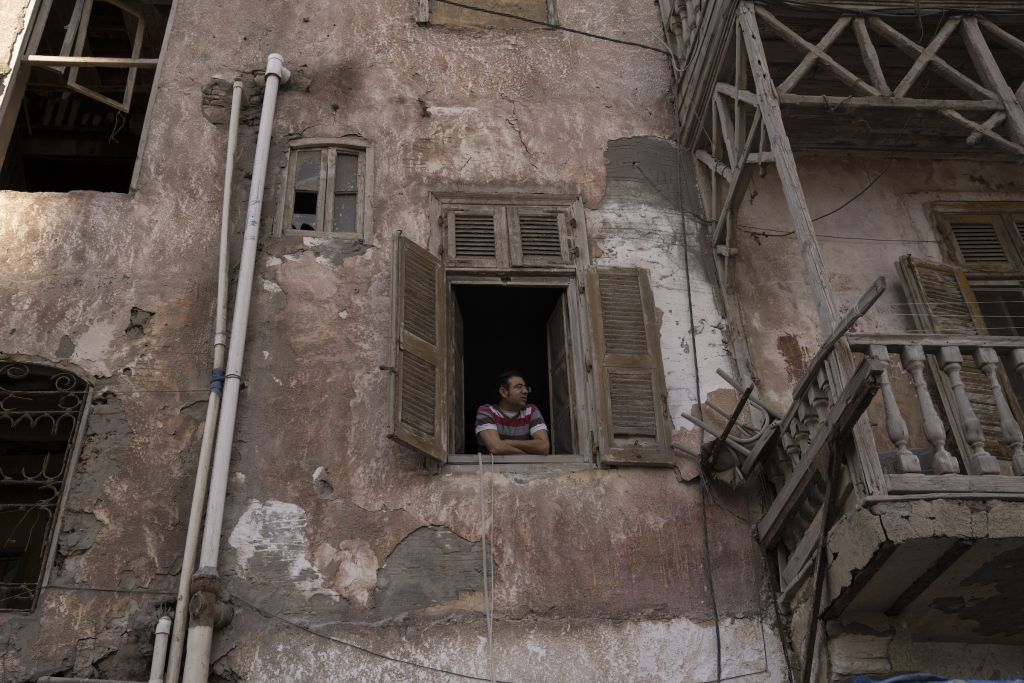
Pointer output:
x,y
328,523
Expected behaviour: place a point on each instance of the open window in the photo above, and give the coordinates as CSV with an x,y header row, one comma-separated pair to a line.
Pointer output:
x,y
73,114
41,410
584,337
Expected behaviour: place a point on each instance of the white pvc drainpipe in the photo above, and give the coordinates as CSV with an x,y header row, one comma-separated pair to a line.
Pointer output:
x,y
200,632
163,634
195,519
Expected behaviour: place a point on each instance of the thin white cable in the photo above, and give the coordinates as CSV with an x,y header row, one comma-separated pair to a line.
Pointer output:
x,y
484,566
490,593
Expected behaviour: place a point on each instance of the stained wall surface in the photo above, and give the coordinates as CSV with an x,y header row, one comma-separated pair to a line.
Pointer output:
x,y
600,574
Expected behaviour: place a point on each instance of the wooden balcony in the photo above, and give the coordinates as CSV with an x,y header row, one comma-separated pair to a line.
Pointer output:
x,y
931,536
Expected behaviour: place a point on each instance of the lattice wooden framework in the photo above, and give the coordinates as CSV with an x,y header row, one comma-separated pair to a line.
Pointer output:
x,y
752,104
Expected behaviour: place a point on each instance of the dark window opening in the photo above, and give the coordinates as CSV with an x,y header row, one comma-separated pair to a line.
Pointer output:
x,y
40,409
78,127
512,328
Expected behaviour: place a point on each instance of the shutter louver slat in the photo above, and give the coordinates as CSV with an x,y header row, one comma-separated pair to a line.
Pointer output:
x,y
538,238
977,239
623,320
633,405
418,393
418,300
474,236
634,427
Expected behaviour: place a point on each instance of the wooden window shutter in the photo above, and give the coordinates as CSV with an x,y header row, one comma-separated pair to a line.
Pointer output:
x,y
632,410
477,236
418,383
978,240
539,237
942,302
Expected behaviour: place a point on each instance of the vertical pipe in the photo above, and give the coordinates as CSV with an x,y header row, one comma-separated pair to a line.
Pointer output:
x,y
200,634
195,519
163,634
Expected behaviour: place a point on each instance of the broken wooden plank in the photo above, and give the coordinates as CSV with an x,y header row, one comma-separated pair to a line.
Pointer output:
x,y
847,410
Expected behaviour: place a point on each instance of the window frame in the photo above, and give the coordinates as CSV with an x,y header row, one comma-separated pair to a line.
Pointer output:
x,y
329,150
23,58
570,276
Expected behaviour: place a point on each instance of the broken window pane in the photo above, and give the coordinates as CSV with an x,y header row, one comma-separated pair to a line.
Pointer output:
x,y
307,190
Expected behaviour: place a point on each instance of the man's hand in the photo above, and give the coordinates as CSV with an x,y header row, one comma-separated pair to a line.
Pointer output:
x,y
538,445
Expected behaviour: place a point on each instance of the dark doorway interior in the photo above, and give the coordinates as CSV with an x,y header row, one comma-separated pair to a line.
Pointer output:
x,y
503,328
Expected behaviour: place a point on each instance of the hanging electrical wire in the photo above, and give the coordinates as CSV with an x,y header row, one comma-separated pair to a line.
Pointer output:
x,y
556,27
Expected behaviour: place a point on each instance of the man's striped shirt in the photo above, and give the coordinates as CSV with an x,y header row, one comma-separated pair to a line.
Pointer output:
x,y
520,426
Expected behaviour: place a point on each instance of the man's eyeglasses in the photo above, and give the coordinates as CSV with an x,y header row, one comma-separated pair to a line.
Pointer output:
x,y
521,387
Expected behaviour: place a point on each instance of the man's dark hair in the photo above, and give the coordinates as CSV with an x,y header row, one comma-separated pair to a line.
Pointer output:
x,y
503,378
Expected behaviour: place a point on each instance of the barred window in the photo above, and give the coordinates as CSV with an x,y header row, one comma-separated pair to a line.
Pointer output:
x,y
41,411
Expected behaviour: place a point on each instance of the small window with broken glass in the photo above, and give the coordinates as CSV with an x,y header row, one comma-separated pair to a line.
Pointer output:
x,y
326,190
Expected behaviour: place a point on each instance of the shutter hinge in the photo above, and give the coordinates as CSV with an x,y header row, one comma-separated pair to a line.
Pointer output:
x,y
575,251
572,223
387,368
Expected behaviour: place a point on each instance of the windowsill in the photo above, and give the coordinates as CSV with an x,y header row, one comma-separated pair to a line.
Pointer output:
x,y
339,236
552,465
473,459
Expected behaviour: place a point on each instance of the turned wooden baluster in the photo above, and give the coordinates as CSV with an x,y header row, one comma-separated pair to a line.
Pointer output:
x,y
819,398
1017,358
895,425
934,430
791,445
801,428
807,412
951,361
988,361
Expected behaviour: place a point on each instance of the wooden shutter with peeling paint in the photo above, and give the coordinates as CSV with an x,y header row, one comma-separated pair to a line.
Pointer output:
x,y
981,241
632,411
418,384
539,237
477,236
942,302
